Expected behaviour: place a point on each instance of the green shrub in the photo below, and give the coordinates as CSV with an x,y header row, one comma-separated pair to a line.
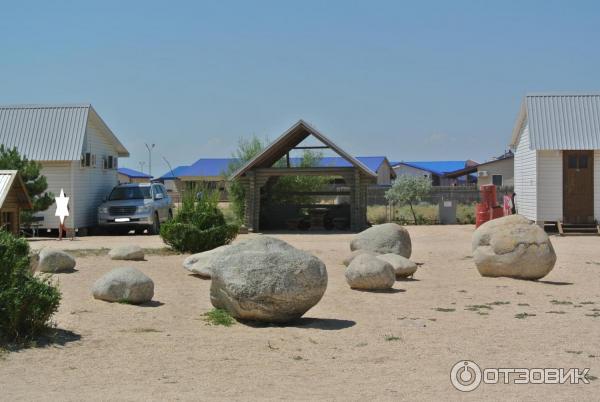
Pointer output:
x,y
27,302
199,224
465,214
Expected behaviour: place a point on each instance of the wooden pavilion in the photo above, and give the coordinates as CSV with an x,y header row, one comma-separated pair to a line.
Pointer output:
x,y
259,171
13,199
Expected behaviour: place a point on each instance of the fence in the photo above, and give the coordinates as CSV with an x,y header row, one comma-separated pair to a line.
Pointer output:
x,y
460,194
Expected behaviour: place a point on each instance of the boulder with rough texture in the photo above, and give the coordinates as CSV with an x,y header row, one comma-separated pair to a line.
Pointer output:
x,y
266,279
201,263
354,254
51,260
403,267
370,273
127,285
128,253
514,247
384,239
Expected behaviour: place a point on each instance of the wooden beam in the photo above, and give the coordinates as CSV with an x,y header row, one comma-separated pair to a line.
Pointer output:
x,y
309,171
313,147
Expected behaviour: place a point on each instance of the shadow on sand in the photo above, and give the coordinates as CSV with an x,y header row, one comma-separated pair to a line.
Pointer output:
x,y
53,337
391,291
556,283
326,324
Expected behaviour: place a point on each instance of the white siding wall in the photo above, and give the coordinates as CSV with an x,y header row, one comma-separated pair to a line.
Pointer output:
x,y
58,176
526,177
92,184
597,184
549,185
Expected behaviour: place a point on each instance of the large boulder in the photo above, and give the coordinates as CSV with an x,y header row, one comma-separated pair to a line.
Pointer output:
x,y
127,252
384,239
354,254
201,264
403,267
266,279
370,273
514,247
50,260
127,285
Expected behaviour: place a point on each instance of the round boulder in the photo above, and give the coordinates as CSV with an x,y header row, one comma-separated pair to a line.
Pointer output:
x,y
128,253
354,254
514,247
384,239
403,267
266,279
51,260
201,263
127,285
370,273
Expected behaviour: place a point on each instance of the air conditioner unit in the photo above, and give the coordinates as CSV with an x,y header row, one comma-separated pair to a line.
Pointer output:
x,y
482,173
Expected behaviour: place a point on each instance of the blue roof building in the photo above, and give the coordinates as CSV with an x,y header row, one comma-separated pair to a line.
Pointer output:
x,y
436,170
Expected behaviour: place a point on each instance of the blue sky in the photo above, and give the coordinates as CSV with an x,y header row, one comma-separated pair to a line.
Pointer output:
x,y
410,80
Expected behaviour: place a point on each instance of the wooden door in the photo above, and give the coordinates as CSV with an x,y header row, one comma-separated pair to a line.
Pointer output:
x,y
578,186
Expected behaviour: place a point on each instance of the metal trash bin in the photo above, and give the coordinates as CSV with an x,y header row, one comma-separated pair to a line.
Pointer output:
x,y
447,212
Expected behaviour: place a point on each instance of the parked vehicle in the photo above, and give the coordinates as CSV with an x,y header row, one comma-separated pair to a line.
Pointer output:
x,y
136,206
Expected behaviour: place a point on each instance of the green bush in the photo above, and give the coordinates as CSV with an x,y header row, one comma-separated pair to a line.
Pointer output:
x,y
199,224
27,302
465,214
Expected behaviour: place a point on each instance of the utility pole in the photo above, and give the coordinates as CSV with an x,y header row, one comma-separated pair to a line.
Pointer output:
x,y
142,163
150,147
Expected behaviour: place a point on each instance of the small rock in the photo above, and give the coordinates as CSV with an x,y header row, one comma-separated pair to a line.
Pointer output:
x,y
128,285
355,253
403,267
51,260
201,264
383,239
370,273
128,252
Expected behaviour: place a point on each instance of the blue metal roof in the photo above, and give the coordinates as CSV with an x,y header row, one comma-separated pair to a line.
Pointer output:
x,y
219,166
134,174
208,167
372,162
436,167
171,175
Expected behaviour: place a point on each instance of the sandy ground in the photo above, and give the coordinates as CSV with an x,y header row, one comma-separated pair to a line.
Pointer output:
x,y
353,345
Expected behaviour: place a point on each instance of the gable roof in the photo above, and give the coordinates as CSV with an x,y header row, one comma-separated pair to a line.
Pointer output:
x,y
207,167
51,132
134,174
7,179
439,168
560,121
288,140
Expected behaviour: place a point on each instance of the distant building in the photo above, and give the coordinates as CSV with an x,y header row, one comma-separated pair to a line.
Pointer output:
x,y
437,171
13,199
498,171
127,175
556,141
77,151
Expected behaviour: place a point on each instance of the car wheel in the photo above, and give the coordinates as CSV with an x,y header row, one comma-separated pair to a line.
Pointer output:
x,y
155,228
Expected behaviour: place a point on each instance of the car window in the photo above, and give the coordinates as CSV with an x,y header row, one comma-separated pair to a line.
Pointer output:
x,y
130,193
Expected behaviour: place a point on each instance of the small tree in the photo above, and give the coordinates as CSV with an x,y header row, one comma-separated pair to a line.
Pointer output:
x,y
36,184
410,190
247,149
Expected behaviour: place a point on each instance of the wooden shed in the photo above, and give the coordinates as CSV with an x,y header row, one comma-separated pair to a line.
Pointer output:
x,y
13,199
258,172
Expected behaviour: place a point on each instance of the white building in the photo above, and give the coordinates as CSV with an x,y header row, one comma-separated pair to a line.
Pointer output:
x,y
556,141
77,151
